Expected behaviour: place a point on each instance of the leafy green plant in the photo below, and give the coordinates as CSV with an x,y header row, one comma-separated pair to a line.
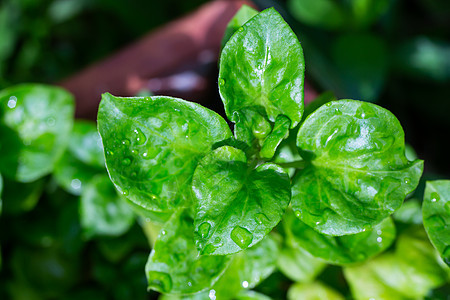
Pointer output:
x,y
332,175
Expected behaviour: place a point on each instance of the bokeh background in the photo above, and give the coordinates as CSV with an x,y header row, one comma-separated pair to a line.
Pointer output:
x,y
395,53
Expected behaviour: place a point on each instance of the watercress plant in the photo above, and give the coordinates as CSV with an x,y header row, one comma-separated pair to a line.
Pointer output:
x,y
223,193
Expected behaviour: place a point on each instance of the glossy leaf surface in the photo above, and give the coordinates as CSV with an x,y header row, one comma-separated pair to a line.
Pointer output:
x,y
358,173
408,273
436,216
244,14
313,291
152,146
86,144
340,249
174,266
35,125
262,69
236,205
102,211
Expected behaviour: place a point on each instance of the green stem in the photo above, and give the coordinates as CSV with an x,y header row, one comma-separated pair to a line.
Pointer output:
x,y
298,164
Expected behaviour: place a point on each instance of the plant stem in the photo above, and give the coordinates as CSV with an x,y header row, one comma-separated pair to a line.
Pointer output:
x,y
298,164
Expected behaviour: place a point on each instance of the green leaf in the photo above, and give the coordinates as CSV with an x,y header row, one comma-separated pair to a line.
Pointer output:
x,y
250,127
237,205
313,291
279,132
409,213
327,14
244,14
247,269
174,266
72,174
86,145
1,190
35,125
408,273
340,250
298,265
262,70
21,197
436,216
152,146
102,211
358,173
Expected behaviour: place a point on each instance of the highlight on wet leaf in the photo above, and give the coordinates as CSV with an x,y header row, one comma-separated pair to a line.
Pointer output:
x,y
357,173
237,205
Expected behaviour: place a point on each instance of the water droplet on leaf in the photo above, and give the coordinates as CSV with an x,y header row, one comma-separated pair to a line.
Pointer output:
x,y
126,161
140,136
407,180
12,102
221,82
126,142
261,218
203,229
379,239
241,236
435,197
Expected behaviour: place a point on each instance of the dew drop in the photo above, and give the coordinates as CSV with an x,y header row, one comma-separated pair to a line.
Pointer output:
x,y
435,197
379,231
163,232
221,82
241,236
125,192
140,136
204,229
126,161
126,142
12,102
261,218
297,214
189,283
75,184
241,29
337,111
379,239
160,280
328,104
50,121
218,242
245,284
212,295
407,180
209,249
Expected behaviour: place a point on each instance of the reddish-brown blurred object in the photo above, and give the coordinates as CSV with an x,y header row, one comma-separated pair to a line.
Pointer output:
x,y
178,59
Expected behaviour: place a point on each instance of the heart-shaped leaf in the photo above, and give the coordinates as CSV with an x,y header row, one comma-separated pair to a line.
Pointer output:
x,y
152,146
236,204
357,174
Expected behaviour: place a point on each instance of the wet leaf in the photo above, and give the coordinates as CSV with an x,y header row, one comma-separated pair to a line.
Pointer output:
x,y
35,125
436,216
152,146
244,14
358,173
174,266
262,70
236,205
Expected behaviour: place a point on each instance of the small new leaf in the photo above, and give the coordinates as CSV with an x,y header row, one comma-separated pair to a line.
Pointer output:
x,y
358,173
236,205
